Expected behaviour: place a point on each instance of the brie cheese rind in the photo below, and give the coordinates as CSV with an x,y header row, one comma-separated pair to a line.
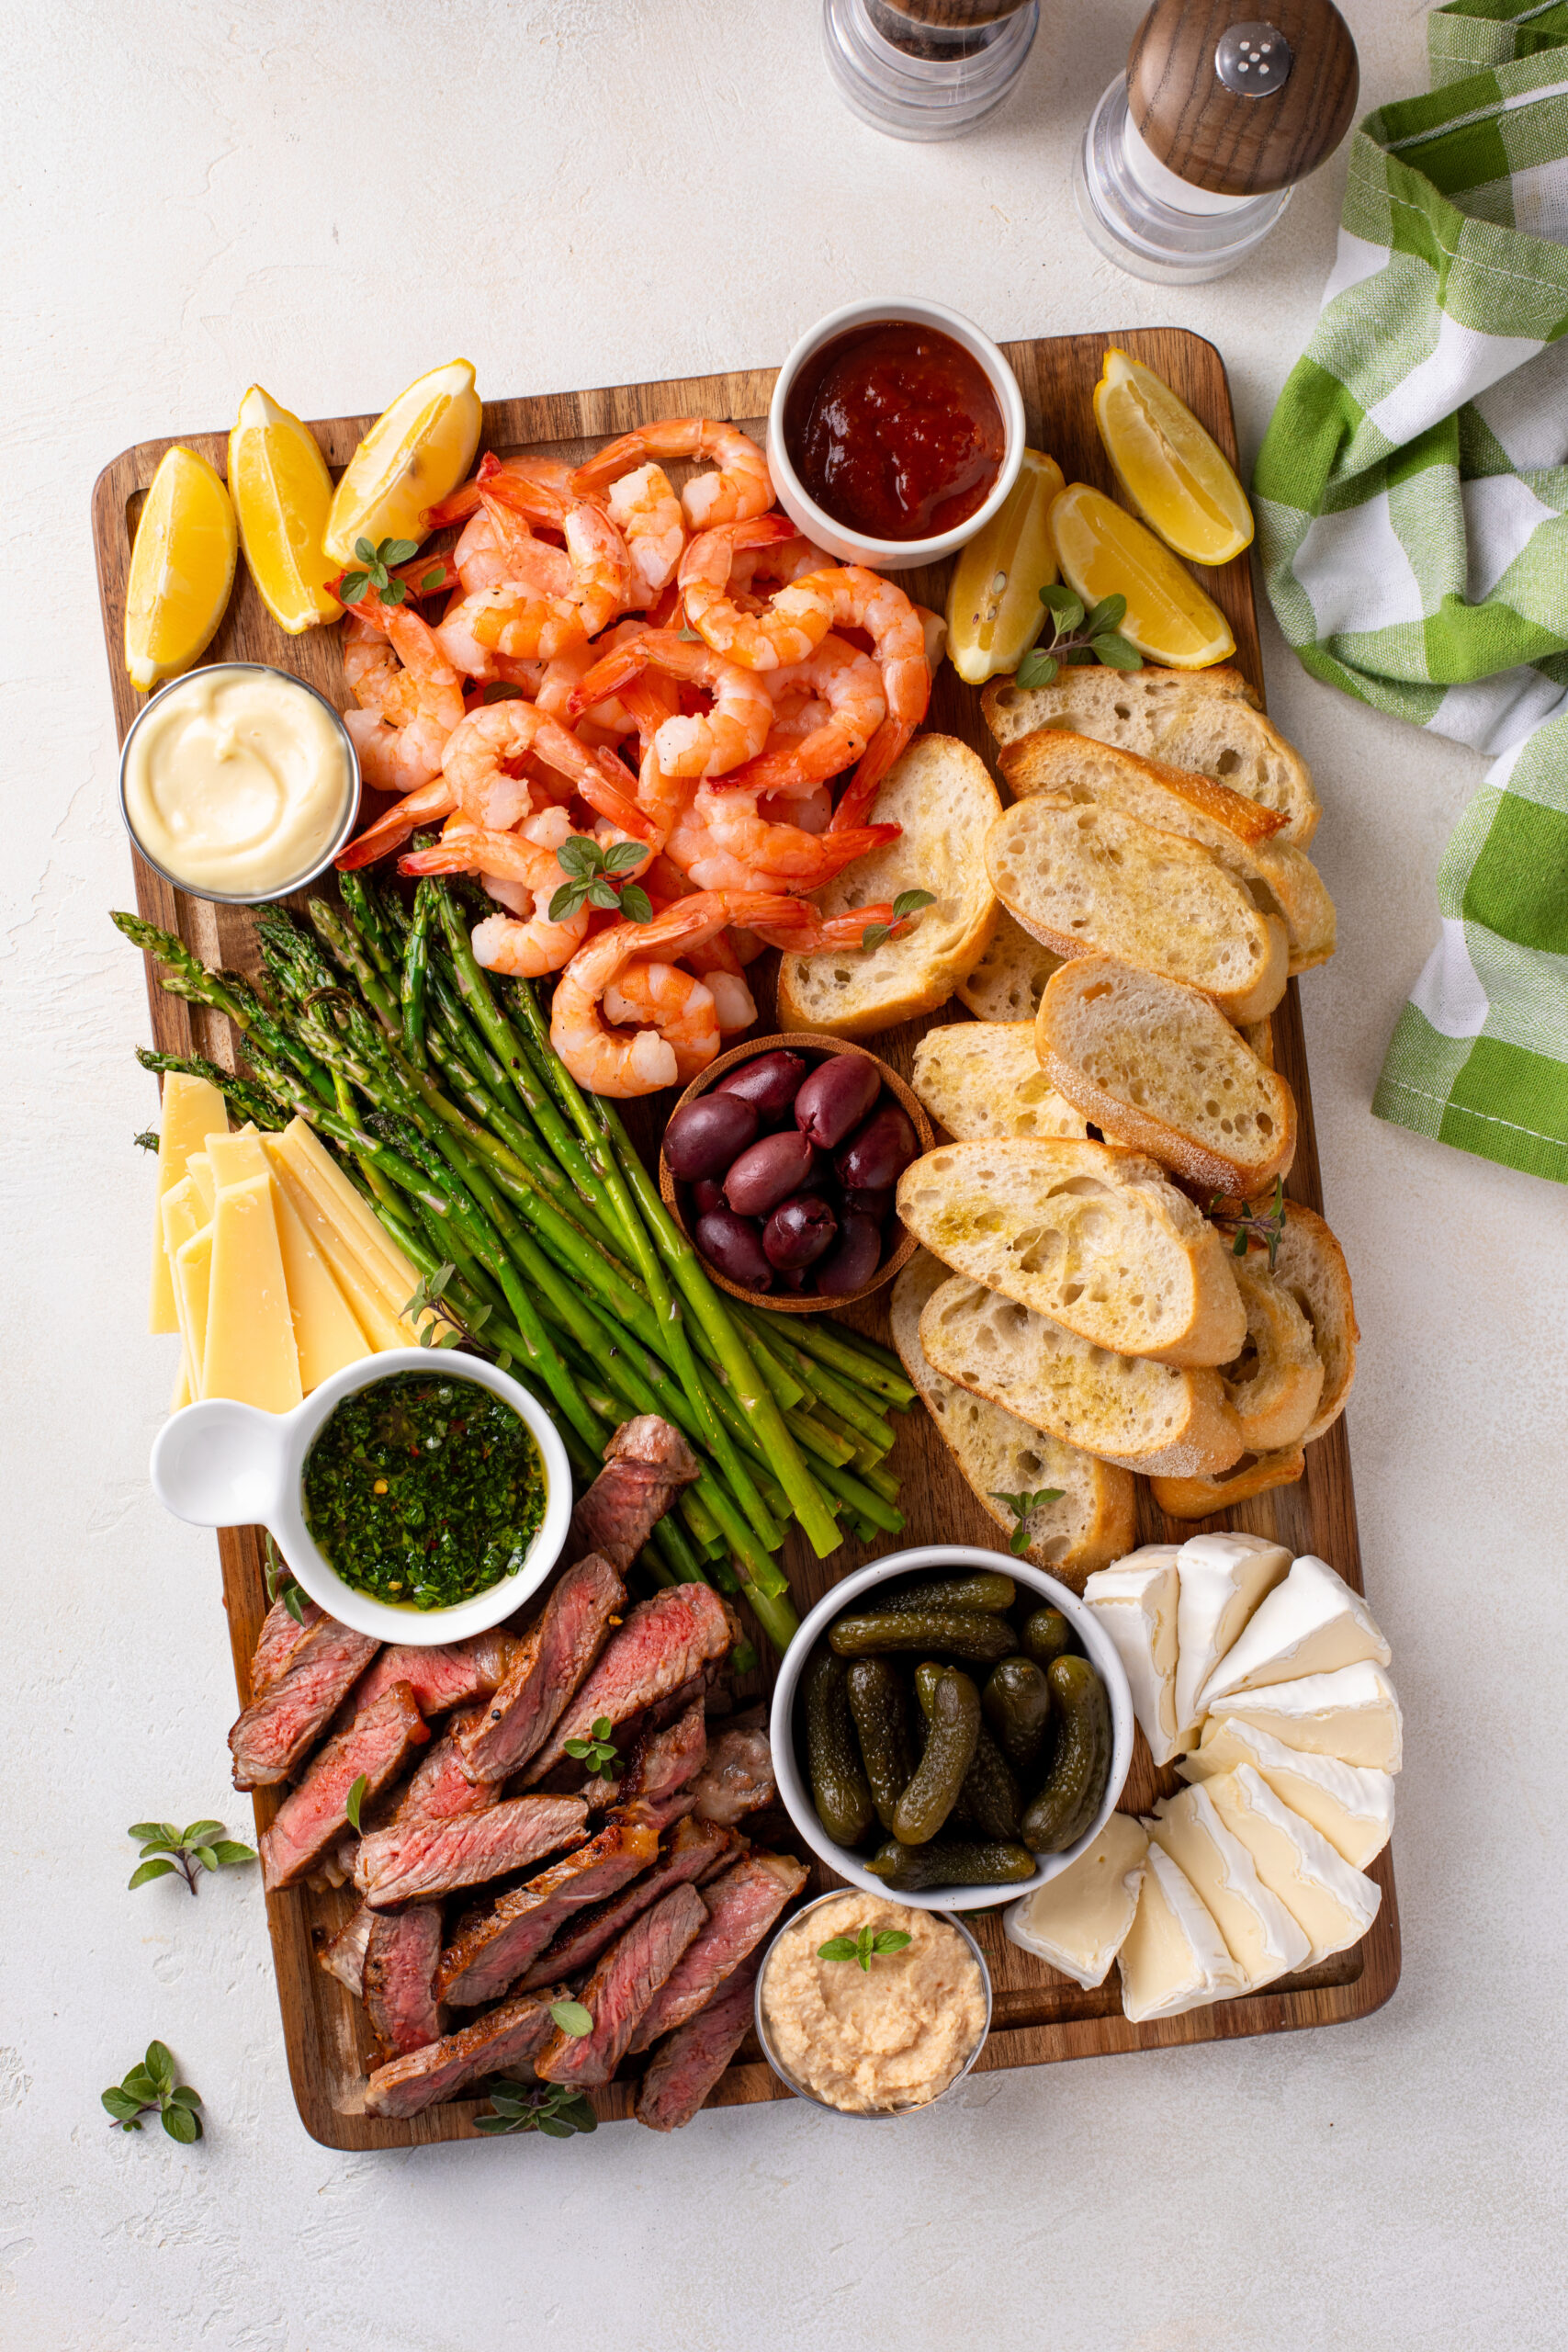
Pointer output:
x,y
1079,1921
1222,1579
1352,1714
1333,1903
1351,1805
1137,1603
1313,1623
1175,1957
1263,1938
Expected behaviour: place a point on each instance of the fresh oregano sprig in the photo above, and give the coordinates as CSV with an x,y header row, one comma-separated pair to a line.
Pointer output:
x,y
1022,1506
591,874
203,1846
1078,635
870,1944
354,1799
572,2017
147,1140
376,573
554,2109
600,1753
427,1296
151,2089
277,1573
908,903
1250,1224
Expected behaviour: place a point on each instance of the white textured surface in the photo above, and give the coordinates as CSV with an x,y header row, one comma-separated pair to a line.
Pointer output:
x,y
329,200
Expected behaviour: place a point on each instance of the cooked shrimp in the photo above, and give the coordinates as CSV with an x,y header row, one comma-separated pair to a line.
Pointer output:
x,y
641,708
501,943
502,731
850,684
402,735
717,963
648,994
785,631
743,486
723,843
522,620
551,475
806,931
860,600
455,635
646,513
733,730
431,801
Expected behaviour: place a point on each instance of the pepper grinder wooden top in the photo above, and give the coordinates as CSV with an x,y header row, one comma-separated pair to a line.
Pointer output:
x,y
1241,105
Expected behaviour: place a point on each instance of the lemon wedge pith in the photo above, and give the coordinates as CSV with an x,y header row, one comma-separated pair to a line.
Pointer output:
x,y
1173,472
413,455
182,568
1105,551
282,494
994,612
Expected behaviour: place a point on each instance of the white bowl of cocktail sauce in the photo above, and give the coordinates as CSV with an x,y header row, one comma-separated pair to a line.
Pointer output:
x,y
239,783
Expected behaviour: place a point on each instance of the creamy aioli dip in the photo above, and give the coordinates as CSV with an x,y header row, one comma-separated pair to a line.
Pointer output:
x,y
236,781
872,2042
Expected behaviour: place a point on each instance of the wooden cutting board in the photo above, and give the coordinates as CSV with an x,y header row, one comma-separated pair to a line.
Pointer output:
x,y
1039,2015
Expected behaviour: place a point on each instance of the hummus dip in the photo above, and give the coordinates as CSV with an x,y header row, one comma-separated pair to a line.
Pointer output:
x,y
870,2041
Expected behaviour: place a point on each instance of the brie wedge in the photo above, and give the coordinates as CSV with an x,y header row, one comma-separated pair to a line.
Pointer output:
x,y
1313,1623
1263,1938
1352,1714
1347,1804
1222,1579
1137,1603
1079,1921
1332,1901
1175,1957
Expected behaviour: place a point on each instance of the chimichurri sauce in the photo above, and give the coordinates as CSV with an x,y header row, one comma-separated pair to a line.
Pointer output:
x,y
423,1490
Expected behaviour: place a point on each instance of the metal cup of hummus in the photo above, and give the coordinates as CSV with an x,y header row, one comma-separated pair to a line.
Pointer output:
x,y
880,2041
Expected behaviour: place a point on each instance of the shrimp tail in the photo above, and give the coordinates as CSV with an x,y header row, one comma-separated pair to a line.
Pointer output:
x,y
860,794
608,796
431,801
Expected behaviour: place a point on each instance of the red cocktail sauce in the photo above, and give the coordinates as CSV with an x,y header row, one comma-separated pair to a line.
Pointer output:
x,y
894,430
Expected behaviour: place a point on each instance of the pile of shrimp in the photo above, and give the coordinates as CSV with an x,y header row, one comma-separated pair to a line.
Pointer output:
x,y
623,662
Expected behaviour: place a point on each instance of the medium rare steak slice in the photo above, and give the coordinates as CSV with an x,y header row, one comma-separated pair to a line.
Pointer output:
x,y
647,1463
664,1644
555,1652
737,1777
413,1860
315,1815
742,1906
663,1764
344,1956
440,1789
492,1948
286,1722
696,1849
399,1978
681,2074
501,2037
281,1636
453,1676
618,1992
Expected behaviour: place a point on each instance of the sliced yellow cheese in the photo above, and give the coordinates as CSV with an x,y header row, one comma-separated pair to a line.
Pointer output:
x,y
180,1394
193,1109
199,1168
374,1309
326,1334
180,1219
322,1176
193,1271
250,1354
237,1159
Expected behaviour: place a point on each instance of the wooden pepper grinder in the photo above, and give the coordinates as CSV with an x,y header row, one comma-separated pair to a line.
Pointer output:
x,y
1190,157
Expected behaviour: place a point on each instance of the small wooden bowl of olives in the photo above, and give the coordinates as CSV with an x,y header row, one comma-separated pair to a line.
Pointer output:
x,y
779,1164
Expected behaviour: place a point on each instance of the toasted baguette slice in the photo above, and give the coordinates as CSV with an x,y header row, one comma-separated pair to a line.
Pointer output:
x,y
1157,1067
1127,1409
1280,879
941,794
1207,721
1090,1523
1277,1380
983,1077
1209,1493
1310,1264
1091,880
1258,1037
1008,981
1096,1238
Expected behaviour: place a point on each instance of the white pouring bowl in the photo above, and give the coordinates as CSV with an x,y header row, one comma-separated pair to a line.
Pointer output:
x,y
220,1463
796,1792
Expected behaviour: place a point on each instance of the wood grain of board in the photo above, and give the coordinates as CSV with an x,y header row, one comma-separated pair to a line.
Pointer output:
x,y
1040,2016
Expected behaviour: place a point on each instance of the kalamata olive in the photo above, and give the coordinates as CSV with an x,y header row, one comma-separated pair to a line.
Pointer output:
x,y
836,1097
879,1154
771,1082
768,1173
853,1262
704,1137
707,1195
734,1244
794,1278
871,1200
799,1230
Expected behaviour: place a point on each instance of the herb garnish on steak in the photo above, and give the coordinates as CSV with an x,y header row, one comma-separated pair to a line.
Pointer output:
x,y
620,1989
664,1644
550,1662
442,2070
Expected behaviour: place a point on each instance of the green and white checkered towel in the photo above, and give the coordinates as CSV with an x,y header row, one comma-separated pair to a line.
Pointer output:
x,y
1412,503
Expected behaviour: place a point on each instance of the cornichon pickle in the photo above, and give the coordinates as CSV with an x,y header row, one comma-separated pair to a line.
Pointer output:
x,y
989,1800
883,1721
984,1590
839,1787
952,1861
952,1728
1016,1702
1046,1635
969,1633
1082,1766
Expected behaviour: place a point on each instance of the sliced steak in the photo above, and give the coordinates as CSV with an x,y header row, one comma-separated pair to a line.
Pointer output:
x,y
737,1777
695,1850
647,1463
492,1948
617,1995
314,1816
344,1956
453,1676
742,1906
552,1659
665,1644
440,1789
419,1857
281,1636
663,1765
286,1722
501,2037
399,1978
680,2076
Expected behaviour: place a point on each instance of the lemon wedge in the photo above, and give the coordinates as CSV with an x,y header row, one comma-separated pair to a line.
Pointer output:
x,y
282,493
1171,471
409,460
1104,551
182,568
994,612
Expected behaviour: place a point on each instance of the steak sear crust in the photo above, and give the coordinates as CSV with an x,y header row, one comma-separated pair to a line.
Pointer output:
x,y
742,1906
504,2037
737,1779
620,1989
415,1859
696,1851
547,1668
314,1816
492,1948
666,1642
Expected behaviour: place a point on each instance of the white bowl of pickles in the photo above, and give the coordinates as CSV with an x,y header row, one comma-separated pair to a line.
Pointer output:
x,y
951,1728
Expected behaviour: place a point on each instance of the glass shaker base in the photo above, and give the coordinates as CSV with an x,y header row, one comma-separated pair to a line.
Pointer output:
x,y
1142,236
927,83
